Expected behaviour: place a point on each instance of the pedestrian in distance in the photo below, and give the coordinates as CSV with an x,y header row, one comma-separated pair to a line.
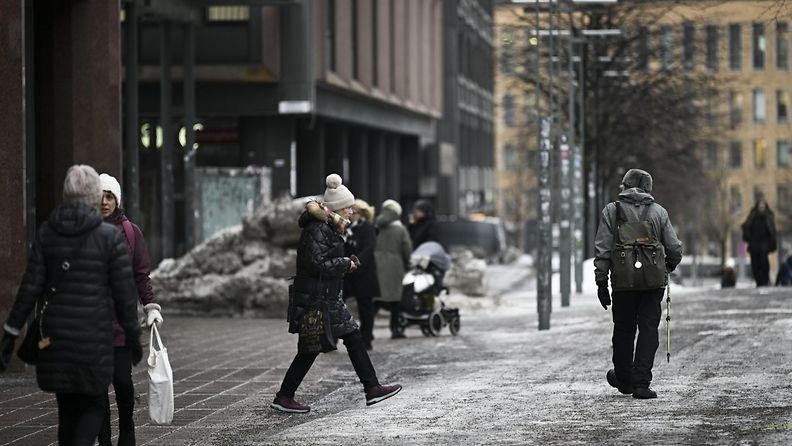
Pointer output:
x,y
422,223
784,276
362,284
393,258
637,246
316,309
113,213
759,232
75,357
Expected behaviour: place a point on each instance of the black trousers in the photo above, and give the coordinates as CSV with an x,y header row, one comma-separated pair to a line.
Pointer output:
x,y
395,311
633,310
79,418
125,400
366,313
357,354
760,267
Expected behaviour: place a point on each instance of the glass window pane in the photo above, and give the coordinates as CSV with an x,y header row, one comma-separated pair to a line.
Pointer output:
x,y
508,110
760,153
759,45
736,199
782,106
782,45
507,51
712,47
666,47
735,47
759,105
783,153
735,155
735,108
689,46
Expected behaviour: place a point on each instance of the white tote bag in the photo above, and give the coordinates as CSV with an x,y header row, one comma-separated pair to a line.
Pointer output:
x,y
160,392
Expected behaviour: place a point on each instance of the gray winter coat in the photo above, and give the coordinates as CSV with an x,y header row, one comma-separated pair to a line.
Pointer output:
x,y
392,255
633,202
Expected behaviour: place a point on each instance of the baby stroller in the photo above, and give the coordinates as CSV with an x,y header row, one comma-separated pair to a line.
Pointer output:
x,y
421,288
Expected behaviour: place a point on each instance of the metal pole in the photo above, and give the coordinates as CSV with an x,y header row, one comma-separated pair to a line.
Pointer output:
x,y
166,154
131,178
578,182
190,218
545,247
567,141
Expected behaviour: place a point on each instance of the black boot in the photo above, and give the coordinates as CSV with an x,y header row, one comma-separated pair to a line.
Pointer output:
x,y
126,432
614,382
644,393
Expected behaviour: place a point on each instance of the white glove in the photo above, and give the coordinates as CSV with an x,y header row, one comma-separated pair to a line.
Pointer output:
x,y
153,315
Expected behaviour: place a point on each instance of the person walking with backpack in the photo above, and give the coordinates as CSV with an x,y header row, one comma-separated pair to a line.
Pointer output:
x,y
637,246
317,312
78,270
759,231
113,213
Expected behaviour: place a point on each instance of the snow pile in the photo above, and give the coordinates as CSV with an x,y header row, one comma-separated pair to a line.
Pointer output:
x,y
467,273
239,271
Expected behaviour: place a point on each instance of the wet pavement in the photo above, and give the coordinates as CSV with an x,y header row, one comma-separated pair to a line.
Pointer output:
x,y
499,382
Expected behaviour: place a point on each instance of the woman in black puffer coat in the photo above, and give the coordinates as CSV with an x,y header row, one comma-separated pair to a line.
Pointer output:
x,y
78,363
363,284
317,311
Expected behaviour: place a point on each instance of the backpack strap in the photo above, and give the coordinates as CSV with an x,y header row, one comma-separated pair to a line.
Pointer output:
x,y
645,211
621,217
130,236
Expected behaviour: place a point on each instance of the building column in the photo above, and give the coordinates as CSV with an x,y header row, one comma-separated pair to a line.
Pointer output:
x,y
311,170
188,85
131,180
12,152
166,152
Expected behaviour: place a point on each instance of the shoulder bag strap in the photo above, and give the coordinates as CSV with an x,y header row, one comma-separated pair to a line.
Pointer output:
x,y
130,236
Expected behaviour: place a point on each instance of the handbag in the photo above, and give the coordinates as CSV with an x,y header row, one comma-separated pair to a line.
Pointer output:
x,y
160,374
34,339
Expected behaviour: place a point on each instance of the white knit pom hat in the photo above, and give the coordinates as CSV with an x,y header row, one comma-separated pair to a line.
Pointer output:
x,y
392,205
337,196
109,183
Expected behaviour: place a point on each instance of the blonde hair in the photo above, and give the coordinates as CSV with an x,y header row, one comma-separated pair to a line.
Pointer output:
x,y
364,209
82,185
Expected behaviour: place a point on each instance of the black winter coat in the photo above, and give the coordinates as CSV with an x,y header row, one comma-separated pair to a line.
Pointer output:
x,y
321,266
423,230
760,232
78,318
361,242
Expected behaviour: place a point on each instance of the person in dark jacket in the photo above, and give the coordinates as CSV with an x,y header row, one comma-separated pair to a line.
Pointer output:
x,y
759,232
122,375
634,309
422,223
77,365
318,310
784,276
362,284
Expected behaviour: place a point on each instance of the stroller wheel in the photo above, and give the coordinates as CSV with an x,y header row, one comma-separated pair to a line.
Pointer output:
x,y
454,325
435,323
426,330
401,324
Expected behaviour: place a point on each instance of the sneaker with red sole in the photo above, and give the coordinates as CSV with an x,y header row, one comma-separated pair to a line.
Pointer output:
x,y
288,405
378,393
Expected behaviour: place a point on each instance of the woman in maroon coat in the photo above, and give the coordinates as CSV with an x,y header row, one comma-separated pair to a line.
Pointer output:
x,y
122,377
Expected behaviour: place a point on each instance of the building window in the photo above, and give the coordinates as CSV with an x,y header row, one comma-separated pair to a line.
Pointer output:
x,y
760,153
759,46
530,108
689,46
759,105
509,156
508,110
782,45
507,51
735,155
782,149
711,160
735,200
666,47
530,53
228,13
355,73
783,198
712,107
713,42
735,108
642,48
782,106
330,34
735,47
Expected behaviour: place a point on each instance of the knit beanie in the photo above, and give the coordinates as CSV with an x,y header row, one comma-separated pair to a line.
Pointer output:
x,y
110,184
392,205
638,178
337,196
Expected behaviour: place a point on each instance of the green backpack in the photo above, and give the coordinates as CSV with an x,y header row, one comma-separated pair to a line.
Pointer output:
x,y
637,257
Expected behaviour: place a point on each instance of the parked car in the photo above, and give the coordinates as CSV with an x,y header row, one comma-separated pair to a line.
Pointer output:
x,y
485,237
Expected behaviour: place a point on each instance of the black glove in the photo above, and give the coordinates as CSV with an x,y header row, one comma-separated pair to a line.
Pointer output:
x,y
603,296
6,350
136,350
